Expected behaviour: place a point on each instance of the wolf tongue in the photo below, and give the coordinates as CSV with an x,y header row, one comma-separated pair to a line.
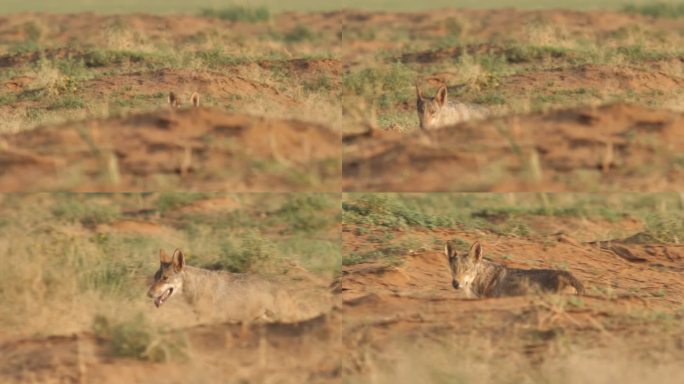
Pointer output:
x,y
157,301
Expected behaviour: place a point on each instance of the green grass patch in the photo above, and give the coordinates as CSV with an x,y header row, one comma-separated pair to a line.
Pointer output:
x,y
505,213
70,102
660,9
248,253
8,99
308,212
322,83
385,210
382,86
299,34
238,13
85,210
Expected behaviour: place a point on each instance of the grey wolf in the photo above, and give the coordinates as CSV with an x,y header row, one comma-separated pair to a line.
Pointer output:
x,y
439,111
218,294
478,277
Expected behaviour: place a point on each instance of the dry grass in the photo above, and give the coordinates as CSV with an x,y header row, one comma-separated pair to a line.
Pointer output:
x,y
68,262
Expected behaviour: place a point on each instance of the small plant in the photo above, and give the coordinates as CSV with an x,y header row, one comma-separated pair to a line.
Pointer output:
x,y
388,85
321,83
298,34
136,338
215,58
455,27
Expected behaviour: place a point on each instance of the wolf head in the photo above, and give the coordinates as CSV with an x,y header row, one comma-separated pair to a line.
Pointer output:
x,y
463,266
429,107
168,280
175,102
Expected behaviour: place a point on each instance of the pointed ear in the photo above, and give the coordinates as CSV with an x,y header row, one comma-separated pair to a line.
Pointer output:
x,y
163,257
441,96
195,99
419,93
172,98
178,260
450,250
475,251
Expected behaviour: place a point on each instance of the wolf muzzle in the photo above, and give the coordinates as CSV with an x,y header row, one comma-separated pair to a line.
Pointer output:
x,y
454,284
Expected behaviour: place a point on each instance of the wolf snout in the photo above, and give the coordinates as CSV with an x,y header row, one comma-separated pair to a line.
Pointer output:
x,y
454,284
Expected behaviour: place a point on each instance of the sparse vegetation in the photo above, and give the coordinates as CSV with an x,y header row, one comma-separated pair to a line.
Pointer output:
x,y
137,338
239,13
657,9
505,214
95,253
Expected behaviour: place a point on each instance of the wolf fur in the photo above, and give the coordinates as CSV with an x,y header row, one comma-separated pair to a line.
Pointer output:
x,y
439,111
482,278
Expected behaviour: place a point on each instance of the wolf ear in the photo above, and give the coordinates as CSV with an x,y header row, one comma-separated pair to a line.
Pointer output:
x,y
441,95
450,250
178,260
195,99
475,251
163,257
419,93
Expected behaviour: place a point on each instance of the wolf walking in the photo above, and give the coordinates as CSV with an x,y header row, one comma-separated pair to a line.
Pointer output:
x,y
219,294
439,111
482,278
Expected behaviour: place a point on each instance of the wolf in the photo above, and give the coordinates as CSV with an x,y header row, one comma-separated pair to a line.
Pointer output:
x,y
175,102
219,295
438,112
482,278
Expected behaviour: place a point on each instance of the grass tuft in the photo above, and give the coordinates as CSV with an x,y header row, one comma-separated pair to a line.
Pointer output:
x,y
137,338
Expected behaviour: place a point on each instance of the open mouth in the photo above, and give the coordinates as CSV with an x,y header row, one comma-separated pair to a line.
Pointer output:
x,y
163,297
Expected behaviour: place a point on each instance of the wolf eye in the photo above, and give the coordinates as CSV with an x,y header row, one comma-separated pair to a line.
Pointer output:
x,y
165,278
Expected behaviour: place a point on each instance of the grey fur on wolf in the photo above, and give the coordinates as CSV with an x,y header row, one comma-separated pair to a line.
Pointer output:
x,y
221,293
439,111
482,278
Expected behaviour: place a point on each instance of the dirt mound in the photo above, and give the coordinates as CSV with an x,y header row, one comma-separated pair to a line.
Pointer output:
x,y
195,149
289,353
612,147
216,84
642,248
310,70
605,79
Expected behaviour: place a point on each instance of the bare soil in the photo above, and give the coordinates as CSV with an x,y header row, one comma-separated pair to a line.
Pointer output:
x,y
390,308
616,147
295,353
194,149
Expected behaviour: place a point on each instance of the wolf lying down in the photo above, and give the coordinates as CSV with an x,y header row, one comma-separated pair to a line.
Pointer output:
x,y
482,278
221,295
